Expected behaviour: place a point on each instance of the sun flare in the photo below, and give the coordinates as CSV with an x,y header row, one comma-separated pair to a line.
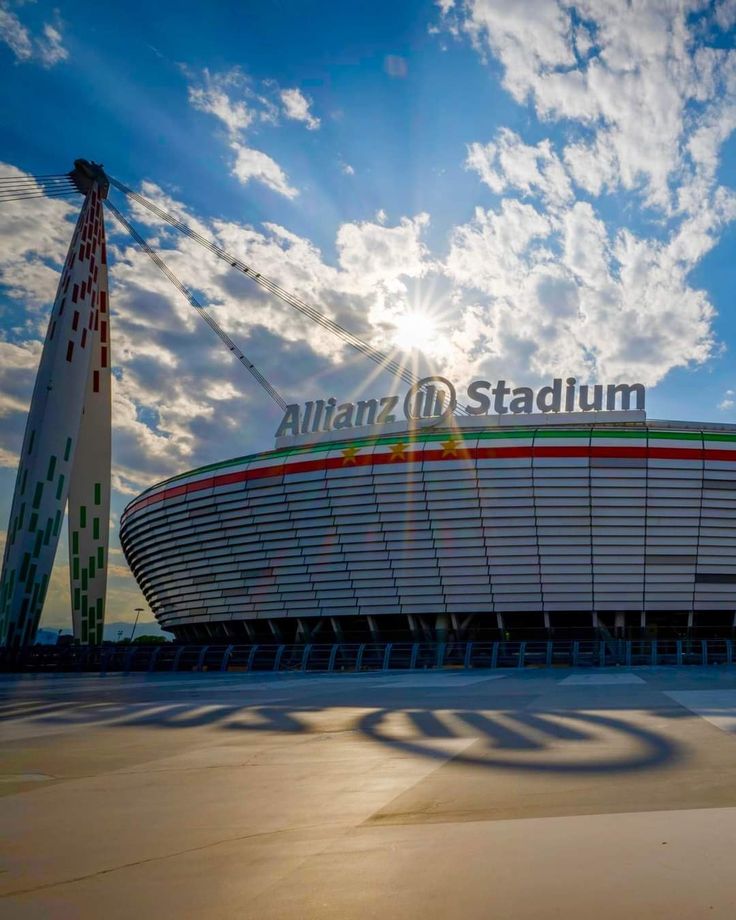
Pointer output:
x,y
415,331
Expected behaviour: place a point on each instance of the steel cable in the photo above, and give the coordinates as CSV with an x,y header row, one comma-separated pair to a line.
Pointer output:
x,y
349,338
211,322
58,185
24,197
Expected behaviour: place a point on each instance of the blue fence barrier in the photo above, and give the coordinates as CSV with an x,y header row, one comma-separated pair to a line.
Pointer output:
x,y
366,656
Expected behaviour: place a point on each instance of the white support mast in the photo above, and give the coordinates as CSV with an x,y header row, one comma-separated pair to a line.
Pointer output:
x,y
66,448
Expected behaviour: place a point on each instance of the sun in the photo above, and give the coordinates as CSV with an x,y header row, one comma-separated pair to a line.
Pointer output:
x,y
415,330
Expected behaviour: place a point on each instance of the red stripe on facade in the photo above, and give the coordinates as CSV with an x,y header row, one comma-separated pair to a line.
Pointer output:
x,y
693,454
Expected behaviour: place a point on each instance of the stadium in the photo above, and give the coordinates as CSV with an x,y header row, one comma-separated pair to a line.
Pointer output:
x,y
507,512
564,524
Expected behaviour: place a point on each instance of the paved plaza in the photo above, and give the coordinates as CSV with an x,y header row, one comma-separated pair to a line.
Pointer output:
x,y
507,794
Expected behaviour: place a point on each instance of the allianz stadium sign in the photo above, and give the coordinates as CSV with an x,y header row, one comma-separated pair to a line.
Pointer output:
x,y
433,400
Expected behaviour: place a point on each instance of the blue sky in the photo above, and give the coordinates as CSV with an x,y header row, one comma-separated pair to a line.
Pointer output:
x,y
514,190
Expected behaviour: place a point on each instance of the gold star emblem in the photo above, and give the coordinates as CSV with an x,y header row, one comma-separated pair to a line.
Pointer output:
x,y
398,451
450,448
348,456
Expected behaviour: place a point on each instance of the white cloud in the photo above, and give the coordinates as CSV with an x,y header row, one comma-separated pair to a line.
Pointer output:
x,y
642,105
725,14
214,95
15,35
632,76
509,163
559,296
375,254
296,106
51,48
223,96
253,164
34,236
594,167
48,48
728,401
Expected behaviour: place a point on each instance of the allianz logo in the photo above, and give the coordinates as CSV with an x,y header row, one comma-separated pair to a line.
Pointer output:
x,y
434,399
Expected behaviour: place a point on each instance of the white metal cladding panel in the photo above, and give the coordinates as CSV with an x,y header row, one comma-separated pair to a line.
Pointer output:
x,y
563,523
613,533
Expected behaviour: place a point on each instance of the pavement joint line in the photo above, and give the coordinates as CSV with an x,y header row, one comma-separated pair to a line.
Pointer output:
x,y
19,892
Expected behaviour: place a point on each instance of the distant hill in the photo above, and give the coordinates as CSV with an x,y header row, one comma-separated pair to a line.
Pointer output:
x,y
118,629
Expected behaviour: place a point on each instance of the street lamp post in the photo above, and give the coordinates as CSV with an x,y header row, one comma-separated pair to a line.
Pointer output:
x,y
138,612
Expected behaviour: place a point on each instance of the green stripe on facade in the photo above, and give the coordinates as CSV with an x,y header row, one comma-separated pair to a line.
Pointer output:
x,y
679,436
44,589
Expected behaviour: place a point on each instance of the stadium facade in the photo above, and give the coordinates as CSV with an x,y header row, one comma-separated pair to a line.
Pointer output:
x,y
469,528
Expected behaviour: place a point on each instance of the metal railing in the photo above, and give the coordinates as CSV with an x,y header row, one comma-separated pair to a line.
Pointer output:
x,y
366,656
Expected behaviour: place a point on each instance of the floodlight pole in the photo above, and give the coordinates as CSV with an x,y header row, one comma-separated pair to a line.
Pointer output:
x,y
138,612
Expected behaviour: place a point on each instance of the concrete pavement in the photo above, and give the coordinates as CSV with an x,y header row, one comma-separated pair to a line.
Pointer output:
x,y
510,794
